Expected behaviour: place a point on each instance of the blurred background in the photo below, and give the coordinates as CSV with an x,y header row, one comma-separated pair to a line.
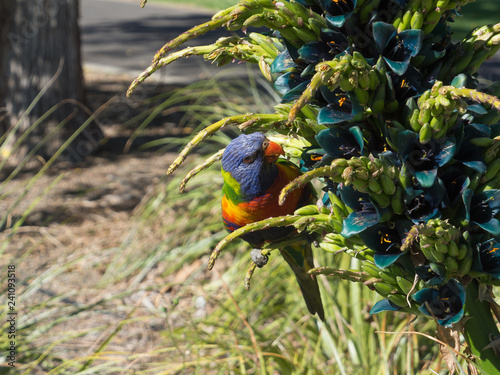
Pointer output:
x,y
110,258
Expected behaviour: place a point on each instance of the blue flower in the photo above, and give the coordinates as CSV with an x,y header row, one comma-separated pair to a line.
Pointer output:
x,y
445,303
385,241
291,85
454,182
341,143
342,108
337,11
423,160
481,209
404,87
313,157
422,204
292,82
365,213
432,275
331,44
488,258
397,48
298,65
469,154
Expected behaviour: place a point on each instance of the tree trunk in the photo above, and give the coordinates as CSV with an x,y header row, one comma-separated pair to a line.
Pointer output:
x,y
38,39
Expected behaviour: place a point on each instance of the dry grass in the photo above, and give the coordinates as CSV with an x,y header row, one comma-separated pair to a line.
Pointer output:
x,y
113,280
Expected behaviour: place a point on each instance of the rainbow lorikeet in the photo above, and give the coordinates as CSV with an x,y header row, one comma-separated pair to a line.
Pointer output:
x,y
253,179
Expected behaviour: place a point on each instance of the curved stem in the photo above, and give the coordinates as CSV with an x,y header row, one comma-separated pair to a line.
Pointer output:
x,y
478,96
479,330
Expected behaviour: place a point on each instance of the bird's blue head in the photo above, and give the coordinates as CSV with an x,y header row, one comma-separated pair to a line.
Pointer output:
x,y
249,165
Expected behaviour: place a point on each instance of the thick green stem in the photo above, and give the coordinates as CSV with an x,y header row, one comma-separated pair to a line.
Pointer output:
x,y
478,96
479,330
241,120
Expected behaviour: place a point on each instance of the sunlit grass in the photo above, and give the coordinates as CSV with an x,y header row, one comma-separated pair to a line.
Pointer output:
x,y
155,285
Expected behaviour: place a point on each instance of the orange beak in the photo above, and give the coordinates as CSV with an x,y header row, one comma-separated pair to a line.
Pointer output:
x,y
272,151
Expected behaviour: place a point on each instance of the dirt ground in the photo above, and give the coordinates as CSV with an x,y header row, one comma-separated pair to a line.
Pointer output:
x,y
88,214
109,184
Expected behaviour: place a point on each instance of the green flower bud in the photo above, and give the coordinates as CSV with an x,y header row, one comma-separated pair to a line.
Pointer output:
x,y
451,264
384,289
374,186
462,251
405,285
388,186
398,299
441,248
452,249
465,266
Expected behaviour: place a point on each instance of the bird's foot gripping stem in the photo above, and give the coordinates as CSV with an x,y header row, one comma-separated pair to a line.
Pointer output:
x,y
259,259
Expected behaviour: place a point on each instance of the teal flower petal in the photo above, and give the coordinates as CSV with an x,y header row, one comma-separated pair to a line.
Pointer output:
x,y
412,40
445,303
431,275
386,241
342,108
358,136
313,158
454,182
481,209
330,116
423,204
398,67
365,213
290,85
492,226
341,143
382,261
337,21
382,34
423,160
426,178
488,258
384,305
477,109
469,154
283,62
331,44
358,221
397,49
338,11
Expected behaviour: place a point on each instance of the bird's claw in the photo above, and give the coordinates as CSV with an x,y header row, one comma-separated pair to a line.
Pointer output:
x,y
258,258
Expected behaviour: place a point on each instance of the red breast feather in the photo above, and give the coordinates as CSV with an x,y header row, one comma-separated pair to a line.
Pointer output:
x,y
266,205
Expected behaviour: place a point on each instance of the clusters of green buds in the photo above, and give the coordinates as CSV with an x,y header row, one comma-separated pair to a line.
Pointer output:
x,y
255,48
393,283
442,244
425,14
466,57
295,22
436,113
382,107
353,73
375,176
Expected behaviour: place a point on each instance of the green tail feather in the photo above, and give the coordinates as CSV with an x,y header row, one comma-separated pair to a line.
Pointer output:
x,y
300,259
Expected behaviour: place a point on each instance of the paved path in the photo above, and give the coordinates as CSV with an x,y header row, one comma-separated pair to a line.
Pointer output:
x,y
121,37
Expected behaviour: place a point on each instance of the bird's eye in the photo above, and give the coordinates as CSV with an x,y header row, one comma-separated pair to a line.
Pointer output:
x,y
248,159
265,144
